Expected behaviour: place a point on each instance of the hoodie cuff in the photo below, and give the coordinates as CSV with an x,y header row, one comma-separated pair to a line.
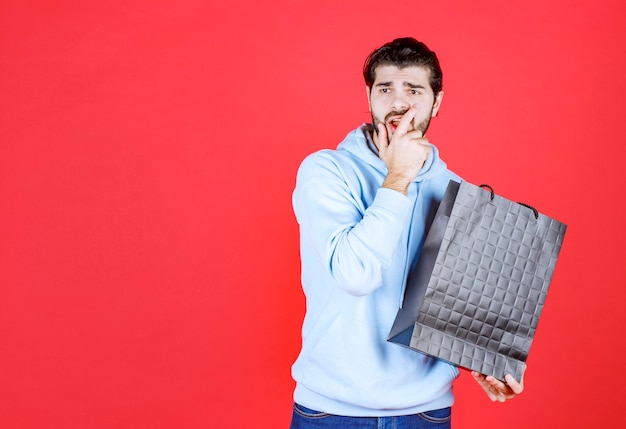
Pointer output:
x,y
394,201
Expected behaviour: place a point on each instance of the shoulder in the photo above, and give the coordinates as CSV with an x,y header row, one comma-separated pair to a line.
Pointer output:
x,y
330,163
321,163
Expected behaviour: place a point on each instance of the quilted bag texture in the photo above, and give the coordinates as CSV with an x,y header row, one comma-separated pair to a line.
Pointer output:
x,y
476,293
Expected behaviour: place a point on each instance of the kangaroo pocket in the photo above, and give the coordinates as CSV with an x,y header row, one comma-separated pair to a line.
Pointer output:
x,y
353,363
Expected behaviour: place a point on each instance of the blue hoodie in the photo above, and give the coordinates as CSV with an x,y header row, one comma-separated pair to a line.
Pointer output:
x,y
358,241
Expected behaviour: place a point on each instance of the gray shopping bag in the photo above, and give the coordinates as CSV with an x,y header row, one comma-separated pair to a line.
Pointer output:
x,y
475,295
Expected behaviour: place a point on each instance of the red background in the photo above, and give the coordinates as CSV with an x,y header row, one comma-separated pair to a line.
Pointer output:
x,y
149,268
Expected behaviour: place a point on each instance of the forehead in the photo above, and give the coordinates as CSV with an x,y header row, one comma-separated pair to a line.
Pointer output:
x,y
413,74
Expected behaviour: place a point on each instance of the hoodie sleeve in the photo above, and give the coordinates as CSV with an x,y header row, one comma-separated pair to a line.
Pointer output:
x,y
354,244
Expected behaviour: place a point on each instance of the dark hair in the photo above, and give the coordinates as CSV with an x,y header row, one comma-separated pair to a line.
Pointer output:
x,y
404,52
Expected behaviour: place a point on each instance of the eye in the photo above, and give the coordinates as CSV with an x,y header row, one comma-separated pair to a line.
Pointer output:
x,y
414,92
385,90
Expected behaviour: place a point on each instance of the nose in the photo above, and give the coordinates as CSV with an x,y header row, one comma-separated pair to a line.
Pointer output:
x,y
400,102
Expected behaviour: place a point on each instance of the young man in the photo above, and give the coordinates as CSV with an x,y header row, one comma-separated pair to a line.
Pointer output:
x,y
363,211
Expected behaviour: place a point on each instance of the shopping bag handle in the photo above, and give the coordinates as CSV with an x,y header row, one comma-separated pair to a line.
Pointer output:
x,y
530,207
490,190
535,212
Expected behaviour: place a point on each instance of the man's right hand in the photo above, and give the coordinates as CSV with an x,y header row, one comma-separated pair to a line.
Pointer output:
x,y
404,154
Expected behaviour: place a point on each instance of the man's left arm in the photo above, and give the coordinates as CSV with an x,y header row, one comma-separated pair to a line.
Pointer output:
x,y
497,390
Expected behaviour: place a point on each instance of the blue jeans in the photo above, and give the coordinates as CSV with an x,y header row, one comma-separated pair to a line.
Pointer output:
x,y
305,418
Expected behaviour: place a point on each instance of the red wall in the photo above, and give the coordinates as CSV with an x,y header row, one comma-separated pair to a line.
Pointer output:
x,y
149,269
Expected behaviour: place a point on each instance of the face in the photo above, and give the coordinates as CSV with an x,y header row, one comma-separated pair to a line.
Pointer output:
x,y
395,90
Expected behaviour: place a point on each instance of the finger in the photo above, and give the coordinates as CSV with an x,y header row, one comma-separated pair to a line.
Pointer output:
x,y
415,134
516,387
493,393
426,147
406,121
382,136
498,386
494,381
478,376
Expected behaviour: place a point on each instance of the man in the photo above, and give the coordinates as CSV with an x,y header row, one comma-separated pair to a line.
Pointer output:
x,y
363,211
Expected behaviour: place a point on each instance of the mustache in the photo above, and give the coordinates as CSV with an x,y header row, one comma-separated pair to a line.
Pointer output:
x,y
395,113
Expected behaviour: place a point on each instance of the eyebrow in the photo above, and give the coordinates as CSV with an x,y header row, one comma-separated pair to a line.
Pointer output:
x,y
407,84
414,86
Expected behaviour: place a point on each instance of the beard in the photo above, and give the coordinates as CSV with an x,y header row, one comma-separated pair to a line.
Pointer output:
x,y
422,126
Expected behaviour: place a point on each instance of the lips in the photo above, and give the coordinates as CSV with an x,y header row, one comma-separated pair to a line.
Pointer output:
x,y
393,122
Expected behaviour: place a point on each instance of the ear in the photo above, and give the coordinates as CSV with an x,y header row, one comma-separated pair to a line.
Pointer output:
x,y
437,103
369,102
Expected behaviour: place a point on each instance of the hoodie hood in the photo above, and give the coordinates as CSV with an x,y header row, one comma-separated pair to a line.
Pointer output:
x,y
359,143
